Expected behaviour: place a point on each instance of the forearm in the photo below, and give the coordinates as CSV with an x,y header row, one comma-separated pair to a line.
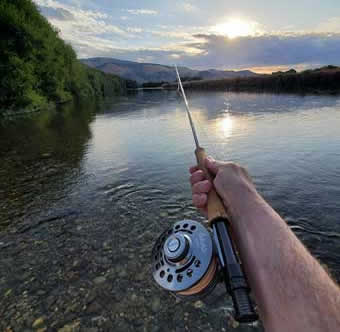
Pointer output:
x,y
292,290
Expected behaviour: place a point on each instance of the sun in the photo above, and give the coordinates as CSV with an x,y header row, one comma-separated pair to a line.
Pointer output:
x,y
235,28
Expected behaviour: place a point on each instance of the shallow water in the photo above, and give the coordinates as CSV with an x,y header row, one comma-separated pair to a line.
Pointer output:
x,y
84,193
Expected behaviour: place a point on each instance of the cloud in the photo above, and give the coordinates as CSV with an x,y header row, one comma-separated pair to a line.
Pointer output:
x,y
93,33
85,27
266,50
187,7
330,25
141,11
55,5
56,13
172,34
211,51
134,30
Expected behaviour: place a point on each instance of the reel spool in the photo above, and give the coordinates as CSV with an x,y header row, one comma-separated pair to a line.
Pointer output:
x,y
184,260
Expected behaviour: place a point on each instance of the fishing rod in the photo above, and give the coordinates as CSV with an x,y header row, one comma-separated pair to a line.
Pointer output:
x,y
189,262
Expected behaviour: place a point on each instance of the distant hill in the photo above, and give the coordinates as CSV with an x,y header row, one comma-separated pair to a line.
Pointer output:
x,y
151,72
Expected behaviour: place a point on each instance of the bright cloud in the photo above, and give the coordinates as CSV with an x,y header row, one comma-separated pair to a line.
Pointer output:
x,y
237,27
142,11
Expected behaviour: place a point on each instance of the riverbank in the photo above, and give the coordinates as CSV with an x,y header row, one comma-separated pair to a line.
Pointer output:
x,y
324,80
43,70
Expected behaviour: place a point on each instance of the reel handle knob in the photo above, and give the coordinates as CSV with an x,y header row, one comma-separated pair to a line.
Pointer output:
x,y
215,205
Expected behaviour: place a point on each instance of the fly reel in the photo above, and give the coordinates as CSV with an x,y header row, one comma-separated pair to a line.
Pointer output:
x,y
188,261
184,260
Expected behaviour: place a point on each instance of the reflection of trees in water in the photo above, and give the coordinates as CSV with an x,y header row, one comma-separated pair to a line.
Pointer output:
x,y
40,159
243,103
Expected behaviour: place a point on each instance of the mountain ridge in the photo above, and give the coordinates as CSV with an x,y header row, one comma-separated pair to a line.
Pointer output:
x,y
152,72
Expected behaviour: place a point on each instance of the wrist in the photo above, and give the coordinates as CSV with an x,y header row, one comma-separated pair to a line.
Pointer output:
x,y
242,202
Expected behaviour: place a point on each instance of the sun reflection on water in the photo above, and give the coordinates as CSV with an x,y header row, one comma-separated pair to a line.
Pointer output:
x,y
225,126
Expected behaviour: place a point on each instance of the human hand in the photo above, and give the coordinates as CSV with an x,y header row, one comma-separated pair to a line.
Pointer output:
x,y
231,182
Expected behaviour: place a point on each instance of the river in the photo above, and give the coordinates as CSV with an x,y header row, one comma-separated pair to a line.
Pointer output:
x,y
85,191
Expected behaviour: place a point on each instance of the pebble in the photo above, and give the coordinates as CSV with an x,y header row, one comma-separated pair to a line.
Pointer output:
x,y
233,323
72,327
139,276
90,297
156,305
50,300
94,307
38,322
8,292
99,320
99,280
198,304
107,244
122,274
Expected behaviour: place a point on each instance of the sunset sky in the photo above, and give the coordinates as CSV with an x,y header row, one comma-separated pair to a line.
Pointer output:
x,y
257,34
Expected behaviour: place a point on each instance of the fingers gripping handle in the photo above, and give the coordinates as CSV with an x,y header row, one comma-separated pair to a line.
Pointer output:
x,y
215,205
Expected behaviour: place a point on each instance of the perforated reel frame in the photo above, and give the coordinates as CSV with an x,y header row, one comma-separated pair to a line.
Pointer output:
x,y
191,268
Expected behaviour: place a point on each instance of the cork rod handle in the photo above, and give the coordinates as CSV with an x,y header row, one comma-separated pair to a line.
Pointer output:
x,y
215,205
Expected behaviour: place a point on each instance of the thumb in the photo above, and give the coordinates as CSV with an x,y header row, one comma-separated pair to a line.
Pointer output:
x,y
212,165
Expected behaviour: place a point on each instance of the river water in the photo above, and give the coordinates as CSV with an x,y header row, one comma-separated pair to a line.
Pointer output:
x,y
85,191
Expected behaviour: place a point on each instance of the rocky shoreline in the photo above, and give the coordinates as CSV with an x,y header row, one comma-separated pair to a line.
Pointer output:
x,y
60,274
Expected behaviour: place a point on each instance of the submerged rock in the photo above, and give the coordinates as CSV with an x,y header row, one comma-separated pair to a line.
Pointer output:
x,y
72,327
46,155
38,322
99,280
198,304
156,305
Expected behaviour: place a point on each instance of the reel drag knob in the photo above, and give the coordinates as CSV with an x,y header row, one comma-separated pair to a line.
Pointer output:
x,y
184,261
176,247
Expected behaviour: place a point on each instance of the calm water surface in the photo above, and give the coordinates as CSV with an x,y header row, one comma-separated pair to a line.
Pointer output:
x,y
84,193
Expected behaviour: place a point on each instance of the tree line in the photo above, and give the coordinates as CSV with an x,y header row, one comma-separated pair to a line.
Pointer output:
x,y
321,80
37,67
